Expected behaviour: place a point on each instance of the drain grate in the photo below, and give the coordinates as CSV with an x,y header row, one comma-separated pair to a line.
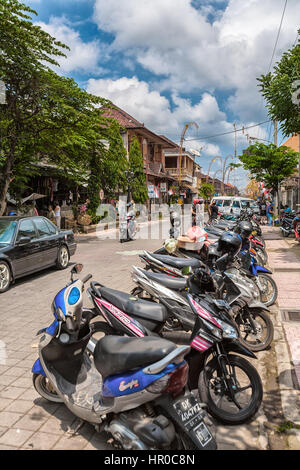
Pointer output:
x,y
291,315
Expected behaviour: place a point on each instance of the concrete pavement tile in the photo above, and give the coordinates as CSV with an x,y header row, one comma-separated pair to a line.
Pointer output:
x,y
56,426
11,392
45,407
14,371
41,441
3,430
19,406
31,422
99,442
4,403
24,382
8,418
4,447
77,442
15,437
29,394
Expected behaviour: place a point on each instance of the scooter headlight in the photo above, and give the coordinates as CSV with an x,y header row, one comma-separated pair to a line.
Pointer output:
x,y
74,296
228,330
214,330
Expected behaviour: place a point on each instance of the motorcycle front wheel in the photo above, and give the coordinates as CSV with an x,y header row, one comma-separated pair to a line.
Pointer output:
x,y
245,383
256,329
44,388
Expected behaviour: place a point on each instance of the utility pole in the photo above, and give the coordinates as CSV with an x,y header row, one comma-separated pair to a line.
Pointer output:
x,y
278,188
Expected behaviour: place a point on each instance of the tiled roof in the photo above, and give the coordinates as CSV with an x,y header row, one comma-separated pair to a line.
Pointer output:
x,y
292,142
124,119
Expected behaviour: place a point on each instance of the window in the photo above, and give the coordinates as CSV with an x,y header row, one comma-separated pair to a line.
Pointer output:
x,y
219,202
26,229
236,204
42,227
7,230
51,226
226,203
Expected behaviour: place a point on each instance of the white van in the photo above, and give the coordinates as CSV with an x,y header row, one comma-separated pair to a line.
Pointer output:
x,y
234,205
224,203
240,203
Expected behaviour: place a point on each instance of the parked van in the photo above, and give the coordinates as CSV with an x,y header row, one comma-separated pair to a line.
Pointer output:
x,y
224,203
233,205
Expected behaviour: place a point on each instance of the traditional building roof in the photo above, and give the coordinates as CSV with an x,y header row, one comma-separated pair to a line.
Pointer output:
x,y
292,142
124,119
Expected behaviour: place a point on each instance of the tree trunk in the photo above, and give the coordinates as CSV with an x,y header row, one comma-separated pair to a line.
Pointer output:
x,y
6,178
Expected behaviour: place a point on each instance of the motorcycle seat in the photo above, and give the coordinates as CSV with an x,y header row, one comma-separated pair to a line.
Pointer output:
x,y
117,354
173,283
132,305
178,263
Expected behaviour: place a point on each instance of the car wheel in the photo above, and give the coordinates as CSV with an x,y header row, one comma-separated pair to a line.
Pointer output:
x,y
63,258
5,277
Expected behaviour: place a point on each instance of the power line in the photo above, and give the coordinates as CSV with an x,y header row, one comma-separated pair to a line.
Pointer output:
x,y
278,34
227,133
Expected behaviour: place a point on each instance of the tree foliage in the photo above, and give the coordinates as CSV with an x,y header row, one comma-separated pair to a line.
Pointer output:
x,y
206,191
281,89
46,117
269,164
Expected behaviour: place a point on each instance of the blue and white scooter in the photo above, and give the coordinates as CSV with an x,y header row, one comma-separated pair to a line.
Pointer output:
x,y
132,388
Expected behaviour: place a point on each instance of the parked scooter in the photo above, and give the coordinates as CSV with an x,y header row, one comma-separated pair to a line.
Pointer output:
x,y
228,383
296,227
226,282
134,389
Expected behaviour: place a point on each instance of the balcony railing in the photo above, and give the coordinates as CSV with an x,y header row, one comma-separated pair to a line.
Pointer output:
x,y
185,175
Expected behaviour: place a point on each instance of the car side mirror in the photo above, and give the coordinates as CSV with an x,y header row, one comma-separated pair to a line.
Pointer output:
x,y
24,241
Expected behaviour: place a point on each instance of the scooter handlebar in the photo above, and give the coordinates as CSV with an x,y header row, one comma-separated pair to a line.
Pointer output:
x,y
87,278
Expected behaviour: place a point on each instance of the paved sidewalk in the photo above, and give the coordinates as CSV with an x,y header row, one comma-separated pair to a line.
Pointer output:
x,y
29,422
284,261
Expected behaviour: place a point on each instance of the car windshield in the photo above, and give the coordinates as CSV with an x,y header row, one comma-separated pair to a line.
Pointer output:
x,y
245,204
7,230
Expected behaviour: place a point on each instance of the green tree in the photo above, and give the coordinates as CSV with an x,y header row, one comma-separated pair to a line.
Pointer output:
x,y
113,177
136,167
269,164
45,117
281,89
206,191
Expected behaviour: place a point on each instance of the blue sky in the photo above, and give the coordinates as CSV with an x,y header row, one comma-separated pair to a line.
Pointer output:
x,y
170,62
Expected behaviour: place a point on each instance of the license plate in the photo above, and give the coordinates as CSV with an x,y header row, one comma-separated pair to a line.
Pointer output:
x,y
191,415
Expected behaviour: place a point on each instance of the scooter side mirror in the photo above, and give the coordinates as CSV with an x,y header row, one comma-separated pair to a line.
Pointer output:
x,y
77,269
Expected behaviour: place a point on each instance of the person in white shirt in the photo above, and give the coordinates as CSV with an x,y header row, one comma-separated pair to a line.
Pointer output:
x,y
57,214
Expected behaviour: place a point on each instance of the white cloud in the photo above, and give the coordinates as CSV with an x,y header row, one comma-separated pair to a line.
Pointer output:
x,y
83,56
176,42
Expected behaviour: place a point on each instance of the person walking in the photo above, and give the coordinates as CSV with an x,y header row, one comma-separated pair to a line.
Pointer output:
x,y
51,214
213,211
270,213
57,214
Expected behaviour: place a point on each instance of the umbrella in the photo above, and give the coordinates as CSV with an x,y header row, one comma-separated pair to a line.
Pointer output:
x,y
33,197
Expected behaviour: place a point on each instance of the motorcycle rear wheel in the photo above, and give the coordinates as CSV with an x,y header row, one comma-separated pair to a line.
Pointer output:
x,y
270,293
212,390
